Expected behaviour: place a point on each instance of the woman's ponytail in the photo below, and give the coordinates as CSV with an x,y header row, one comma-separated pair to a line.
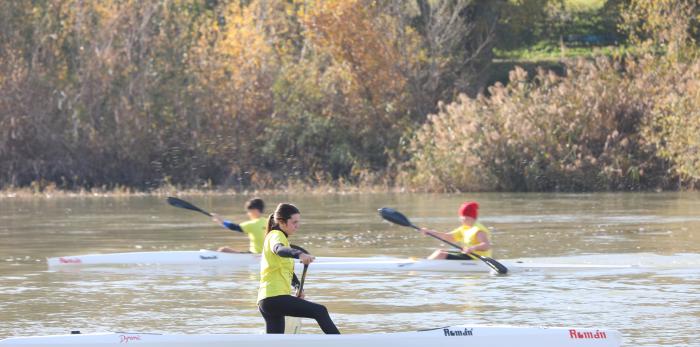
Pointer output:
x,y
270,223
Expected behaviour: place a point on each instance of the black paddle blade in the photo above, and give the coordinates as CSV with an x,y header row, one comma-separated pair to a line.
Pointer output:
x,y
186,205
492,263
395,217
500,268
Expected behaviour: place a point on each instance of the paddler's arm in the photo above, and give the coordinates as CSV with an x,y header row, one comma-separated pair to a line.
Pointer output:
x,y
483,245
289,252
444,236
226,224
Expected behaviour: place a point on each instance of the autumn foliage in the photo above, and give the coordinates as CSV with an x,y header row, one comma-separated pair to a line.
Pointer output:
x,y
624,123
201,92
261,93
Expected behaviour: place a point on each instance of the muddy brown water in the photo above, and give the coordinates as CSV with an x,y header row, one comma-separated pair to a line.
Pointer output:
x,y
656,304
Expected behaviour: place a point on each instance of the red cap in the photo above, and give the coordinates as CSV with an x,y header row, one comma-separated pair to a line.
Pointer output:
x,y
469,209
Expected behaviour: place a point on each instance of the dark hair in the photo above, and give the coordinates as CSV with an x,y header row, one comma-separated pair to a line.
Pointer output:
x,y
255,203
283,213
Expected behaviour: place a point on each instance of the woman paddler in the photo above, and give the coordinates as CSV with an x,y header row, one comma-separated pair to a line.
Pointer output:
x,y
277,273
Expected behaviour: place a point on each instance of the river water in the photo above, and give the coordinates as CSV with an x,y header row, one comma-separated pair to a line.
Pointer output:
x,y
656,304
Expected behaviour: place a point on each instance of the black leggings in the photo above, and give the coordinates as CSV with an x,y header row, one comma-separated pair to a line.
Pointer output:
x,y
273,310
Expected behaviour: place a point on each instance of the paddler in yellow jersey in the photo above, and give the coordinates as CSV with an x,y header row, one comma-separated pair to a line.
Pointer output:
x,y
277,274
474,235
254,227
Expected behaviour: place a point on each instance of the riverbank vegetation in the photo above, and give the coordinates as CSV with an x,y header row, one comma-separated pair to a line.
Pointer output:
x,y
440,95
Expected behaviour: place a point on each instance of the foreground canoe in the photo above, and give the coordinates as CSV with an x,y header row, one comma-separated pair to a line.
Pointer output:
x,y
461,335
247,261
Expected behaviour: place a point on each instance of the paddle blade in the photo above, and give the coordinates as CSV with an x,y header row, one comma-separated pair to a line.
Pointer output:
x,y
292,325
500,268
492,263
186,205
395,217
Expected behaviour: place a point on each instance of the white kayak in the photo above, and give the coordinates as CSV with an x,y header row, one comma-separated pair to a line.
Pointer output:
x,y
248,261
460,335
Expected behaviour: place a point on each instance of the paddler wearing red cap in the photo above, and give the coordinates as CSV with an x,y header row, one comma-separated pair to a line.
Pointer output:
x,y
475,237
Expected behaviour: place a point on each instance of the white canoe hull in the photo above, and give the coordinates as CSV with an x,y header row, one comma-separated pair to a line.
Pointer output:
x,y
247,261
472,336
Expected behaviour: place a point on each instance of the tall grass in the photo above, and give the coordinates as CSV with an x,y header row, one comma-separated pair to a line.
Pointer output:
x,y
609,124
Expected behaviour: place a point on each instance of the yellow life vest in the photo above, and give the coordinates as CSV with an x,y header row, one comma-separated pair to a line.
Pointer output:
x,y
275,271
467,235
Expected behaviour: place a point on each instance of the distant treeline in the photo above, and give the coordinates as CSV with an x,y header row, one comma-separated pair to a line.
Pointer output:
x,y
239,94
